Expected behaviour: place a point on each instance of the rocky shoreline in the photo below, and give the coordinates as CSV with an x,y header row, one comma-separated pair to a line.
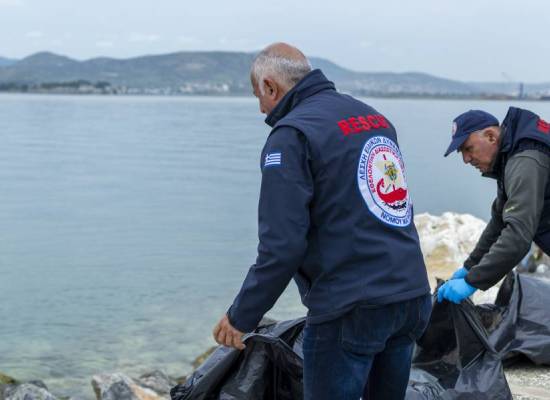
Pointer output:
x,y
117,386
446,240
527,382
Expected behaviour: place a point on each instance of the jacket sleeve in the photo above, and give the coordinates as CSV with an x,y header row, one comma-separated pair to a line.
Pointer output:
x,y
283,224
489,236
525,179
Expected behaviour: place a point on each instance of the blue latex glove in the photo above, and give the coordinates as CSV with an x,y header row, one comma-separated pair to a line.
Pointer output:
x,y
460,273
455,290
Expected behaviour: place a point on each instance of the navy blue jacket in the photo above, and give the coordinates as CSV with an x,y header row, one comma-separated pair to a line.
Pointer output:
x,y
334,212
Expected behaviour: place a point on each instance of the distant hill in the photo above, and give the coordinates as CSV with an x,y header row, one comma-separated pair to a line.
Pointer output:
x,y
214,72
388,83
189,70
6,61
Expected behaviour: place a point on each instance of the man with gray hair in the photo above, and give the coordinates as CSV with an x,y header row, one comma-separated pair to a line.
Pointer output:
x,y
517,154
335,214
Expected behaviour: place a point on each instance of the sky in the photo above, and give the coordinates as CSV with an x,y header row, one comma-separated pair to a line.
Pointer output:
x,y
469,40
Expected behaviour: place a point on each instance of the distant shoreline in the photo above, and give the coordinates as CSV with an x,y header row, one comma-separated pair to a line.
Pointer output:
x,y
160,93
219,73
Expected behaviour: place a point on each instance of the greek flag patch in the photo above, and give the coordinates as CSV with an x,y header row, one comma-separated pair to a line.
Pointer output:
x,y
272,159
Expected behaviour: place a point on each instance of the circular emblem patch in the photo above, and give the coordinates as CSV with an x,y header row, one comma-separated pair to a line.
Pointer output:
x,y
453,130
381,180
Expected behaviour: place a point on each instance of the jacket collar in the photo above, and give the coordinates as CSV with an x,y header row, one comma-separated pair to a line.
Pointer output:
x,y
507,128
312,83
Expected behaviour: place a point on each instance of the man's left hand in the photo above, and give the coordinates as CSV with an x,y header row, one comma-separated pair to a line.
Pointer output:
x,y
455,290
226,335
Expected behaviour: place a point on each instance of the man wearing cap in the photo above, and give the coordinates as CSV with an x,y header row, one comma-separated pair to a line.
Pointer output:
x,y
517,155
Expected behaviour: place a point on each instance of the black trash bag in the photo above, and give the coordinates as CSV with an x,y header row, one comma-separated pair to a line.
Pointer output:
x,y
454,359
269,368
519,321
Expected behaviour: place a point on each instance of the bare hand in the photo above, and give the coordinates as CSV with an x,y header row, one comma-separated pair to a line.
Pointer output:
x,y
226,335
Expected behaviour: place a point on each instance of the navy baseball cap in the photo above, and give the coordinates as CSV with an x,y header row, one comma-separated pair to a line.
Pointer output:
x,y
466,123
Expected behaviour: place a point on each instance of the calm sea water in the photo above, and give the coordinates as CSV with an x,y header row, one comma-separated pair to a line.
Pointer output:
x,y
128,223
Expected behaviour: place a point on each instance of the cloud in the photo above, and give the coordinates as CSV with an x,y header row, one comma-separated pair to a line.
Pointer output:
x,y
187,40
104,44
34,34
365,44
236,43
144,37
11,3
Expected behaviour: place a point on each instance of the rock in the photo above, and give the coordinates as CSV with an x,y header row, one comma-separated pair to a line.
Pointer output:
x,y
27,391
157,381
542,268
38,383
485,297
7,380
118,386
447,241
181,380
528,381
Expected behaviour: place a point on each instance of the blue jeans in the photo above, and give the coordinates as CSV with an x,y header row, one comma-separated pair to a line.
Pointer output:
x,y
365,353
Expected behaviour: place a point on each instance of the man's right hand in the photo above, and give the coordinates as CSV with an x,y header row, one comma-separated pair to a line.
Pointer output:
x,y
225,334
460,273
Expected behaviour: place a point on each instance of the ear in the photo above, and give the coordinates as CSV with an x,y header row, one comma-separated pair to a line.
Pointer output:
x,y
491,134
271,88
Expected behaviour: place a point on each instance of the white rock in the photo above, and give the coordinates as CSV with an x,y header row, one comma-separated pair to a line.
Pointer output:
x,y
446,241
542,268
27,391
157,381
450,237
118,386
485,297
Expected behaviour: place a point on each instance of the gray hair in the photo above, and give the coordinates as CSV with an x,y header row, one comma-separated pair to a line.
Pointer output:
x,y
289,71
